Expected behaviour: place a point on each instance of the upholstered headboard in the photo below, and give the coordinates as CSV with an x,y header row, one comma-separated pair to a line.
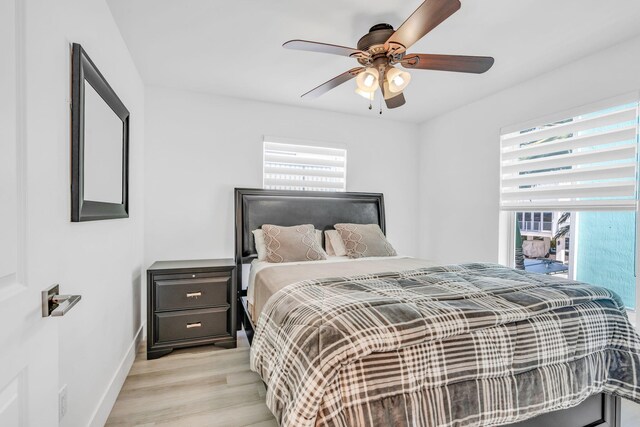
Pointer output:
x,y
255,207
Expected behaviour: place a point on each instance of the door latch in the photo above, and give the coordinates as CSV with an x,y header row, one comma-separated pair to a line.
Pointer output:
x,y
54,304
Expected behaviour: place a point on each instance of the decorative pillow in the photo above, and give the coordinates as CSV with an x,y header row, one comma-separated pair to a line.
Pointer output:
x,y
333,243
261,247
364,240
297,243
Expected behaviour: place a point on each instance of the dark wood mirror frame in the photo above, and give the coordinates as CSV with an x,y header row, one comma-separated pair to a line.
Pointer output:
x,y
83,69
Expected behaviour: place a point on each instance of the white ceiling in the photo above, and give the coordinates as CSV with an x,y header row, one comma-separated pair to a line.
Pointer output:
x,y
234,47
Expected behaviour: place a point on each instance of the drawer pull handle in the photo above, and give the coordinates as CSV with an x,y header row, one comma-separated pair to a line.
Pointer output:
x,y
194,294
194,325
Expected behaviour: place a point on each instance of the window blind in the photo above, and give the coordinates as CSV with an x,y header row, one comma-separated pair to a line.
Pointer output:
x,y
304,167
586,161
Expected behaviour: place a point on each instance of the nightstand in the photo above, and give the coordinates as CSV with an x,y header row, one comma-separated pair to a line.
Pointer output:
x,y
190,303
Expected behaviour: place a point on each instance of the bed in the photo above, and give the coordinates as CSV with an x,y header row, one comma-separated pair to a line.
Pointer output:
x,y
363,379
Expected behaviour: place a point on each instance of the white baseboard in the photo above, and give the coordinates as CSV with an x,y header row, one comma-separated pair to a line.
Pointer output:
x,y
108,399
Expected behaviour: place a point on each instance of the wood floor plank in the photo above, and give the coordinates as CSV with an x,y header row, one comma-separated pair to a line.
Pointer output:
x,y
203,386
268,423
209,387
243,415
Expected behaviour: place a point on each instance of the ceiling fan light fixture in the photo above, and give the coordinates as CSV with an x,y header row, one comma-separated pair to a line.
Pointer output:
x,y
367,81
397,79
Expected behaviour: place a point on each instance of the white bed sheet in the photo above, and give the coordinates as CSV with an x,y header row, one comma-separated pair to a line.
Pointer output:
x,y
257,266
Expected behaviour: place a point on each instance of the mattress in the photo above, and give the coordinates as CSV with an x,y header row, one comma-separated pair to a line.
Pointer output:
x,y
265,279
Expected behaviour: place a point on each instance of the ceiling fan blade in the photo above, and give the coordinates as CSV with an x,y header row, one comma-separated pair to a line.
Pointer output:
x,y
426,17
322,48
458,63
333,83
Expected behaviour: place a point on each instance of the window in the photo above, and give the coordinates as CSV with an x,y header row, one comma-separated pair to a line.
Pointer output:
x,y
304,167
571,181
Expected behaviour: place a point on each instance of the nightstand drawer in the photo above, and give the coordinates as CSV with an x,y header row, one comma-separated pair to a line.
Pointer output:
x,y
181,294
190,324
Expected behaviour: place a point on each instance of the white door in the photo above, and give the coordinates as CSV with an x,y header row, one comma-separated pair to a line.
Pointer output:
x,y
28,342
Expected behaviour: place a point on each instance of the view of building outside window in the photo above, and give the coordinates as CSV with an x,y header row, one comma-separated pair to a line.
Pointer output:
x,y
545,241
606,252
592,247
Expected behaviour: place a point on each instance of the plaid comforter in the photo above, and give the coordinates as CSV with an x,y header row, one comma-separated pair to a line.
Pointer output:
x,y
458,345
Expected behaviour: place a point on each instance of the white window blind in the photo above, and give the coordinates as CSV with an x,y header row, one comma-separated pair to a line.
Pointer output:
x,y
304,167
585,161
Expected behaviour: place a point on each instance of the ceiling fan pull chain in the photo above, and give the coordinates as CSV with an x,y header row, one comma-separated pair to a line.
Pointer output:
x,y
381,106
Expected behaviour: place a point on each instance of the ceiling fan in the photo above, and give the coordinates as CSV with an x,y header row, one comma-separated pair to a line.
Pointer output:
x,y
382,48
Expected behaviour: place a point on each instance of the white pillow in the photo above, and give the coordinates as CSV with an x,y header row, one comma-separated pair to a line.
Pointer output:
x,y
328,247
261,246
319,237
334,244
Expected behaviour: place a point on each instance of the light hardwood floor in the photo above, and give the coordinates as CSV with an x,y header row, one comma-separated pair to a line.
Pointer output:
x,y
202,386
210,386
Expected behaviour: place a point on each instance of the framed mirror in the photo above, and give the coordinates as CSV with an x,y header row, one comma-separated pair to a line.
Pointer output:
x,y
99,144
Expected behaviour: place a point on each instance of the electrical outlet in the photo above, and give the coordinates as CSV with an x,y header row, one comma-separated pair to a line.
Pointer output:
x,y
62,402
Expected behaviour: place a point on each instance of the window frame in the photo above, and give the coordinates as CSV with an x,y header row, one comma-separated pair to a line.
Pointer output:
x,y
507,218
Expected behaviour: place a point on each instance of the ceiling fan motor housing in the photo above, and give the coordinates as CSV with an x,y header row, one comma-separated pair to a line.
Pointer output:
x,y
373,42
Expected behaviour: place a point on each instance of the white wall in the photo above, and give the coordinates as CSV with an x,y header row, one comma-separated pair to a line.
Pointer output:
x,y
199,147
459,151
100,260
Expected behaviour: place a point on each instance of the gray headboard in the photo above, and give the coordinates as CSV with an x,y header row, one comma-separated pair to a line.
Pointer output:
x,y
255,207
